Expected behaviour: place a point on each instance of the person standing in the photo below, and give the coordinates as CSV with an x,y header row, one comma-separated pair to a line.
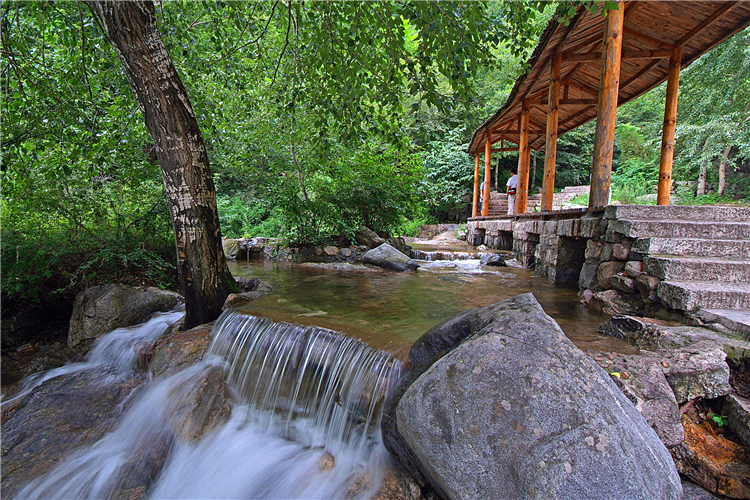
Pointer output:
x,y
510,189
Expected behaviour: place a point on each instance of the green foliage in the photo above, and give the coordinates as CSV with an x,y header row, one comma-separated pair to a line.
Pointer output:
x,y
448,175
720,420
372,187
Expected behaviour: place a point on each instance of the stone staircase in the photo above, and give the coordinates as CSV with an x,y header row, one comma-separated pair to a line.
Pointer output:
x,y
700,254
499,202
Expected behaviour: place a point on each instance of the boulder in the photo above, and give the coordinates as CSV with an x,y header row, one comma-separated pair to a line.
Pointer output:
x,y
491,259
698,371
387,257
231,248
61,415
206,406
367,237
498,403
238,299
633,268
620,252
605,272
399,244
737,410
614,302
253,285
622,283
177,349
711,460
331,250
100,309
646,286
654,399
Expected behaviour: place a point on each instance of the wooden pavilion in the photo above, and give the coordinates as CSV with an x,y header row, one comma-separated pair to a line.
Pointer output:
x,y
585,70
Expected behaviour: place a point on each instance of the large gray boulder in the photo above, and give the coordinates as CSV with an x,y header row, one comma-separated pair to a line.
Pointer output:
x,y
100,309
387,257
498,404
367,237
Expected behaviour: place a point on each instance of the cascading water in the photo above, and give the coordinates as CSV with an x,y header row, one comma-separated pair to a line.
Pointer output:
x,y
116,351
442,255
305,423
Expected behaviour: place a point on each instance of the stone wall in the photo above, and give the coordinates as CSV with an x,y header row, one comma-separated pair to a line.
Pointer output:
x,y
591,250
273,249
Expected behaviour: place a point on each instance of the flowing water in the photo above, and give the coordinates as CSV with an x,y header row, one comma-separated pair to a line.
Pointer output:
x,y
305,422
307,400
391,310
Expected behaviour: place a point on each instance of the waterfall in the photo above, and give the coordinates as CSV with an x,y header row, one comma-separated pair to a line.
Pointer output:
x,y
305,422
442,255
312,385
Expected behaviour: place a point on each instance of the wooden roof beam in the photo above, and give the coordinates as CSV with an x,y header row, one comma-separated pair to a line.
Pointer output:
x,y
716,15
646,38
581,87
567,102
596,57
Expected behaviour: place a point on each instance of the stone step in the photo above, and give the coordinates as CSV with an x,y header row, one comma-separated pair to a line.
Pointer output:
x,y
698,269
733,249
692,295
736,320
678,213
681,229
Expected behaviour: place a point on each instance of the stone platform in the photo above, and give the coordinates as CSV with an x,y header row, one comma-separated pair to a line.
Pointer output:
x,y
636,258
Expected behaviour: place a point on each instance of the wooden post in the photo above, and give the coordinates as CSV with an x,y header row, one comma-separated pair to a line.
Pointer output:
x,y
550,156
524,155
606,115
670,123
476,186
487,164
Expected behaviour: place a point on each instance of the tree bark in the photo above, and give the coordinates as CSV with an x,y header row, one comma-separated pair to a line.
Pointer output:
x,y
703,172
723,170
203,273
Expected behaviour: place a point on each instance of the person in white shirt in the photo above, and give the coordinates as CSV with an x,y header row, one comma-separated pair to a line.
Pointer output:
x,y
511,186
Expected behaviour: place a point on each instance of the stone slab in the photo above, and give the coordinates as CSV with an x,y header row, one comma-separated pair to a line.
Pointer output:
x,y
680,229
692,295
698,269
690,246
677,212
736,320
737,410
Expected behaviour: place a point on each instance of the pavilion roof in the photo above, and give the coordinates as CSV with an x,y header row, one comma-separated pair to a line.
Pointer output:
x,y
651,30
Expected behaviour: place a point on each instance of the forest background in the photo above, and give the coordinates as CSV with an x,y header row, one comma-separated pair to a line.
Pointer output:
x,y
299,150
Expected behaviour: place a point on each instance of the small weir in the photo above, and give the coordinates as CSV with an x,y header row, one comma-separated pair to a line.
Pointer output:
x,y
289,372
305,422
442,255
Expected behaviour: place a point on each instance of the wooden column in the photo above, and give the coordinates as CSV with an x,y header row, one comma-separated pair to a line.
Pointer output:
x,y
550,156
487,163
524,155
606,115
476,186
670,123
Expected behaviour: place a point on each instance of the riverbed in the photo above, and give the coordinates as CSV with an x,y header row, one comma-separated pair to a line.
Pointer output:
x,y
390,310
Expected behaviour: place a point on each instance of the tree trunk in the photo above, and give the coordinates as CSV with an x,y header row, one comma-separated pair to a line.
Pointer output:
x,y
203,273
723,170
704,171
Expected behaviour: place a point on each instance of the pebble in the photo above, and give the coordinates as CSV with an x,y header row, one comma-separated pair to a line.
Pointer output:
x,y
609,356
625,375
665,364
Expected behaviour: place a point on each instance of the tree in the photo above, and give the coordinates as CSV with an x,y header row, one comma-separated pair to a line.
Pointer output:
x,y
203,274
348,65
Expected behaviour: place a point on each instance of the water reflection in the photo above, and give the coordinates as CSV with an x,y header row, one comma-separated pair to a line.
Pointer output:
x,y
391,310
